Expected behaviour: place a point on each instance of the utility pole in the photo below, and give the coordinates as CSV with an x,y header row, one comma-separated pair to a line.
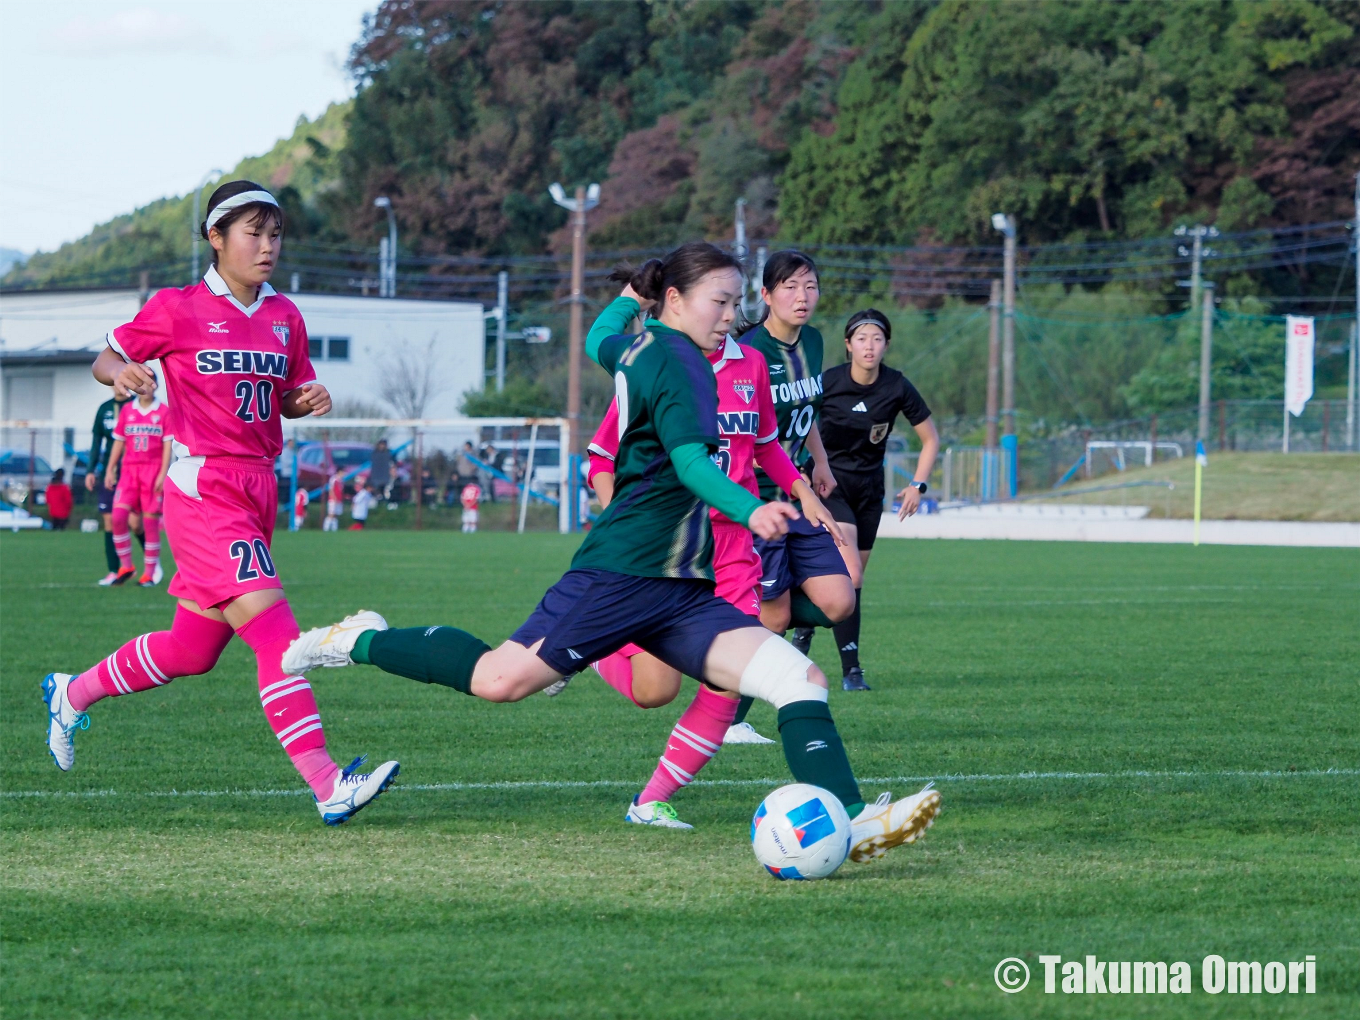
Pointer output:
x,y
1206,361
993,364
585,200
197,226
502,310
1005,224
1353,376
1196,252
387,251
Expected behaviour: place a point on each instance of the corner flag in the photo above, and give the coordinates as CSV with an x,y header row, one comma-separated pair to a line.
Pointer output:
x,y
1201,461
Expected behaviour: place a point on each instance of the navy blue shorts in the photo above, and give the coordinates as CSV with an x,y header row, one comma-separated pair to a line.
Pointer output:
x,y
593,613
105,496
806,551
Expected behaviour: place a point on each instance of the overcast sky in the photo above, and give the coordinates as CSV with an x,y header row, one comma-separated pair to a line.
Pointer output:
x,y
106,105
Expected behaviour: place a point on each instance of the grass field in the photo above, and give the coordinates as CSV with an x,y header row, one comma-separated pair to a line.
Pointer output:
x,y
1243,487
1132,743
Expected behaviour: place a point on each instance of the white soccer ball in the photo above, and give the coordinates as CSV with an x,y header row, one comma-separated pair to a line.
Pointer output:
x,y
800,832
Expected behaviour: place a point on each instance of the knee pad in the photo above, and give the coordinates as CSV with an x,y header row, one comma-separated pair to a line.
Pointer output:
x,y
778,673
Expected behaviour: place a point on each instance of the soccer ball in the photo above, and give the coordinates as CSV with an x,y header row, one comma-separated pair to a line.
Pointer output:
x,y
800,832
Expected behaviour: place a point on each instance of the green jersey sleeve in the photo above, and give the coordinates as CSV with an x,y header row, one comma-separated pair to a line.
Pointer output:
x,y
613,321
697,472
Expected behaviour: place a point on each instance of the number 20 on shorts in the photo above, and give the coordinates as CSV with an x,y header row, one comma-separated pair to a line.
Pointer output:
x,y
248,556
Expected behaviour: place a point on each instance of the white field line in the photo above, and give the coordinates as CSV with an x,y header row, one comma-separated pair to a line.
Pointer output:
x,y
566,784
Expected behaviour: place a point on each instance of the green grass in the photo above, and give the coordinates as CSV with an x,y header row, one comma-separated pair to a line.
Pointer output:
x,y
1209,668
1242,487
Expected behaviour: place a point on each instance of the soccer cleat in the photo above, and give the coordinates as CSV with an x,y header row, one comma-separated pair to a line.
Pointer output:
x,y
108,579
554,689
744,733
330,646
158,574
62,719
658,812
854,680
123,576
886,823
354,791
147,581
802,639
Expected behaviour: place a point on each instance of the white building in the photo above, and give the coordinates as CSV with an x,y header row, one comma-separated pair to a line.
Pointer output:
x,y
49,340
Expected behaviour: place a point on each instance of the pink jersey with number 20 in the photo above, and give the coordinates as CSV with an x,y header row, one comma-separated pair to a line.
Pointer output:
x,y
746,420
227,366
143,432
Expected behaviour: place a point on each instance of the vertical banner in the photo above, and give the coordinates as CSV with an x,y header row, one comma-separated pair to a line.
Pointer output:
x,y
1298,363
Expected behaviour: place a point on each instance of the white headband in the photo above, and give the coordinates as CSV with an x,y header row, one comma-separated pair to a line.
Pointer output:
x,y
235,202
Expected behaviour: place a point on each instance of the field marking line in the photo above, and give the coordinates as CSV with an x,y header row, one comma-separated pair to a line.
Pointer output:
x,y
585,784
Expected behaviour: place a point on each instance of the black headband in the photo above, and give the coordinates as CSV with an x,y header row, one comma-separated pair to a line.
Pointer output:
x,y
868,321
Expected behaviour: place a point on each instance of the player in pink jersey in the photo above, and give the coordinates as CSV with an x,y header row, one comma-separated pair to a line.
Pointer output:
x,y
235,354
747,429
136,471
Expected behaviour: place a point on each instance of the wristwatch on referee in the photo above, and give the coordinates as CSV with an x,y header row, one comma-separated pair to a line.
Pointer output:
x,y
920,487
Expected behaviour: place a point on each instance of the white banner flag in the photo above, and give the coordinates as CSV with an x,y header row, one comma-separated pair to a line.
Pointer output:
x,y
1298,362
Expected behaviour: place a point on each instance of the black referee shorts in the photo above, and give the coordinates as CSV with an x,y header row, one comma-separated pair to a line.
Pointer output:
x,y
858,499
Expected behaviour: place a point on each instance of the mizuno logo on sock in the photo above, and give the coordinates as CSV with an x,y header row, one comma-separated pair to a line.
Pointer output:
x,y
860,407
574,654
816,745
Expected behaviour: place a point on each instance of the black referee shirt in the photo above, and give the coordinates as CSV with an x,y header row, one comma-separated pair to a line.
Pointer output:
x,y
855,420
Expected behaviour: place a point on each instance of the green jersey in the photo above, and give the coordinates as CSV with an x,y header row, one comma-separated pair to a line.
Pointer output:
x,y
668,398
796,386
101,442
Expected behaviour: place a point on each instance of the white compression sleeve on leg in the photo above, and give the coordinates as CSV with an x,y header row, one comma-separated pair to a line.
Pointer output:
x,y
778,673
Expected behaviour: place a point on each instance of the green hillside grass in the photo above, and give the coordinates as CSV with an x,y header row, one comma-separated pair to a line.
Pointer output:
x,y
1242,487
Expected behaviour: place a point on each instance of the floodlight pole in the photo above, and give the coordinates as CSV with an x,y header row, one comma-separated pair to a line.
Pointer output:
x,y
502,310
993,364
197,225
1206,361
387,268
1005,225
1353,376
585,200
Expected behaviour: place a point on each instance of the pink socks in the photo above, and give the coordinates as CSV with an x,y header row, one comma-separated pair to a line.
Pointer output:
x,y
288,703
617,670
151,527
191,646
696,738
122,537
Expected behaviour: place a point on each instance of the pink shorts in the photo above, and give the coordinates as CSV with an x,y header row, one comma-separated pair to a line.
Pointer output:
x,y
137,488
737,569
219,513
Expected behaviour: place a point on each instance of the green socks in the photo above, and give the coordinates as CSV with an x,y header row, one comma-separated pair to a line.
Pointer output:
x,y
432,655
815,753
110,553
743,706
803,612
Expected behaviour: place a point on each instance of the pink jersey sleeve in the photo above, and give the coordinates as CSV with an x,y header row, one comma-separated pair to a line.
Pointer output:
x,y
300,371
604,445
151,334
775,463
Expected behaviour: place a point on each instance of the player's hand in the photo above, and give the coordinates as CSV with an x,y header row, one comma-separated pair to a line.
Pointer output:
x,y
133,378
314,398
823,481
910,498
159,486
771,520
643,303
110,478
817,514
91,483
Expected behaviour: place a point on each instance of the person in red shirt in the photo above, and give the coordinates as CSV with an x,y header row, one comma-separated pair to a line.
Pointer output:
x,y
234,353
59,500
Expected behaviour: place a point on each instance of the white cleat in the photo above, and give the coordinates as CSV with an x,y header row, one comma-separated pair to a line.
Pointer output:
x,y
744,733
62,719
886,823
554,689
158,574
330,646
107,580
658,812
354,791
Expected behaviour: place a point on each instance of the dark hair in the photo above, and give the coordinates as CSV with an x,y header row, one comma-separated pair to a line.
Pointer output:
x,y
783,264
681,269
59,475
872,315
258,213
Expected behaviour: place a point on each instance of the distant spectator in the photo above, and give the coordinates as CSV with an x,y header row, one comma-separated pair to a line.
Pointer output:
x,y
363,501
469,497
465,466
491,457
59,500
380,471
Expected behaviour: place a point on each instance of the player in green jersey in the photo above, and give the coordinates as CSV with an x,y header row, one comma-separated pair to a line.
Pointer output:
x,y
644,574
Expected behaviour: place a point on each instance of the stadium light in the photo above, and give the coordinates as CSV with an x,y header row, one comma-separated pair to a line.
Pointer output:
x,y
387,273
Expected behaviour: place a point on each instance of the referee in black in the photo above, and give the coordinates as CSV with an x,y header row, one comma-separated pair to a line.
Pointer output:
x,y
860,401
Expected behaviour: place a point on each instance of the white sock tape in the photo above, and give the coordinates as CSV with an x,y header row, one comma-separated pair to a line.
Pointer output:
x,y
778,673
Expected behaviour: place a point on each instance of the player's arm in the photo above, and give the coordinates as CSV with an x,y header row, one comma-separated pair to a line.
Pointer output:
x,y
167,452
96,452
822,478
111,472
310,398
698,473
112,369
910,497
614,320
